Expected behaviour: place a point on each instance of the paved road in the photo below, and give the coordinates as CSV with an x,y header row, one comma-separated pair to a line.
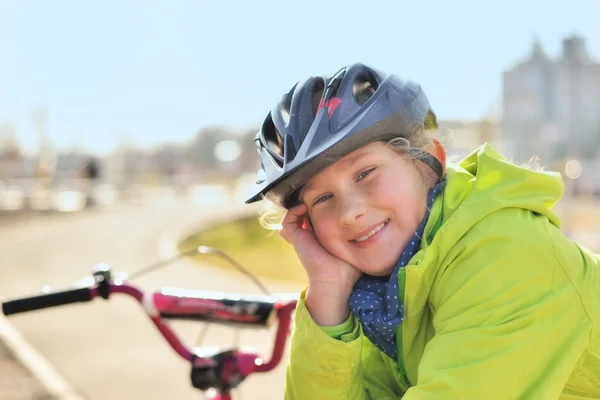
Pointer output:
x,y
111,350
16,381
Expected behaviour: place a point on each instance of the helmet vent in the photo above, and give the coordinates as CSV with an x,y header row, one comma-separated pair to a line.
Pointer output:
x,y
272,138
317,94
363,87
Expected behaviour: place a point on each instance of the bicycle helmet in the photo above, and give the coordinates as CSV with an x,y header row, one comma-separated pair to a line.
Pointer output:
x,y
325,118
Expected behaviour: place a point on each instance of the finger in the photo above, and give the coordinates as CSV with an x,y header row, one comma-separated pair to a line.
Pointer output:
x,y
294,216
283,234
298,210
291,222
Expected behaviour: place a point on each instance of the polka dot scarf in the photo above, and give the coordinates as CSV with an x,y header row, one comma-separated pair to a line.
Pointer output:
x,y
374,300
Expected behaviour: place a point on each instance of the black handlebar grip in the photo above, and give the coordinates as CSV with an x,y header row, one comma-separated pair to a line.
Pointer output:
x,y
46,300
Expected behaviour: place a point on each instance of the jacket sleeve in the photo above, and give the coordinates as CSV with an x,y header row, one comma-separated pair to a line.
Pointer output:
x,y
321,367
508,322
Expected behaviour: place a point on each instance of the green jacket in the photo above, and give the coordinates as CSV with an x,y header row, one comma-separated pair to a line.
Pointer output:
x,y
498,304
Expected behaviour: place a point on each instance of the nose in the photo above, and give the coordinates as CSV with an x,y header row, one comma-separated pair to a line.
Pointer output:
x,y
351,209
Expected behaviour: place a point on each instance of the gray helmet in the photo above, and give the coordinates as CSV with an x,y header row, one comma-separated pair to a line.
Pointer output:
x,y
325,118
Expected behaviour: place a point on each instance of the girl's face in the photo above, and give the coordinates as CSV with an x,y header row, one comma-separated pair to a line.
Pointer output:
x,y
365,207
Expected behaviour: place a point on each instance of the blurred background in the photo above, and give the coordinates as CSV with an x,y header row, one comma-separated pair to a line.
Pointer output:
x,y
124,125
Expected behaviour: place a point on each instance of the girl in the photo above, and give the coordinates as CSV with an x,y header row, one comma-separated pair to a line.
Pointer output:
x,y
425,281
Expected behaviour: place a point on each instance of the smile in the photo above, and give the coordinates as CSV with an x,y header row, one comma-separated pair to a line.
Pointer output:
x,y
371,232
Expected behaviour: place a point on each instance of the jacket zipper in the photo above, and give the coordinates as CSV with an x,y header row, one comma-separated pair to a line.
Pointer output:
x,y
400,364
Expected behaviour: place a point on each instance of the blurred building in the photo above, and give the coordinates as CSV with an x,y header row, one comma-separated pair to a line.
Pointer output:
x,y
551,106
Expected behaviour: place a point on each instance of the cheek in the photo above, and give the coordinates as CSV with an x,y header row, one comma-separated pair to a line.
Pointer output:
x,y
403,197
323,227
389,193
329,235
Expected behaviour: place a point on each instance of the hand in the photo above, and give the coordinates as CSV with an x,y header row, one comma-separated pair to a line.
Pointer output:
x,y
330,279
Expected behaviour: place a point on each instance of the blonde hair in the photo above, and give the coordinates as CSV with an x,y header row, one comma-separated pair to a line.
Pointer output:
x,y
272,213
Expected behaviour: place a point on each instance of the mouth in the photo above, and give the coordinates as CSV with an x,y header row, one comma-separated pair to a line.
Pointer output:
x,y
371,233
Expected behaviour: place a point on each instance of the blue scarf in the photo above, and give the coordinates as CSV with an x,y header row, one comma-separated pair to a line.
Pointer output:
x,y
374,300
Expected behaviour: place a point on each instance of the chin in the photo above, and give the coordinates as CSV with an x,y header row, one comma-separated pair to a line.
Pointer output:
x,y
386,267
384,273
380,271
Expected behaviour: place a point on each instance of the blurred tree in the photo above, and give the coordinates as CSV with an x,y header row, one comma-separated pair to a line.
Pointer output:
x,y
91,170
11,155
46,159
249,158
201,151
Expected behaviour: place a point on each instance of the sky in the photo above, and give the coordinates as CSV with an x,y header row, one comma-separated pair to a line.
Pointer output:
x,y
149,72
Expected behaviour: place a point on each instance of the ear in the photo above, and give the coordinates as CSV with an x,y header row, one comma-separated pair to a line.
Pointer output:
x,y
437,150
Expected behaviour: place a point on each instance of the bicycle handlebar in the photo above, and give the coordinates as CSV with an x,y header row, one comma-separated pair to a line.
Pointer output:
x,y
46,300
221,371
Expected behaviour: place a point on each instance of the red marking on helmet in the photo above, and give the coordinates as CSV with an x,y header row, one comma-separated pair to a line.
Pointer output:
x,y
331,105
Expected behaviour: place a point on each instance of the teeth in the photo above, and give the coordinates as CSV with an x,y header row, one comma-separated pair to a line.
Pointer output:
x,y
371,233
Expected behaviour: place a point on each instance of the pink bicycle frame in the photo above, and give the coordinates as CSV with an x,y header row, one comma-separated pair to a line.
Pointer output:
x,y
216,375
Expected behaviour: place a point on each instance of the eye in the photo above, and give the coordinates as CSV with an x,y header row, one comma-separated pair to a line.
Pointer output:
x,y
321,199
364,174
